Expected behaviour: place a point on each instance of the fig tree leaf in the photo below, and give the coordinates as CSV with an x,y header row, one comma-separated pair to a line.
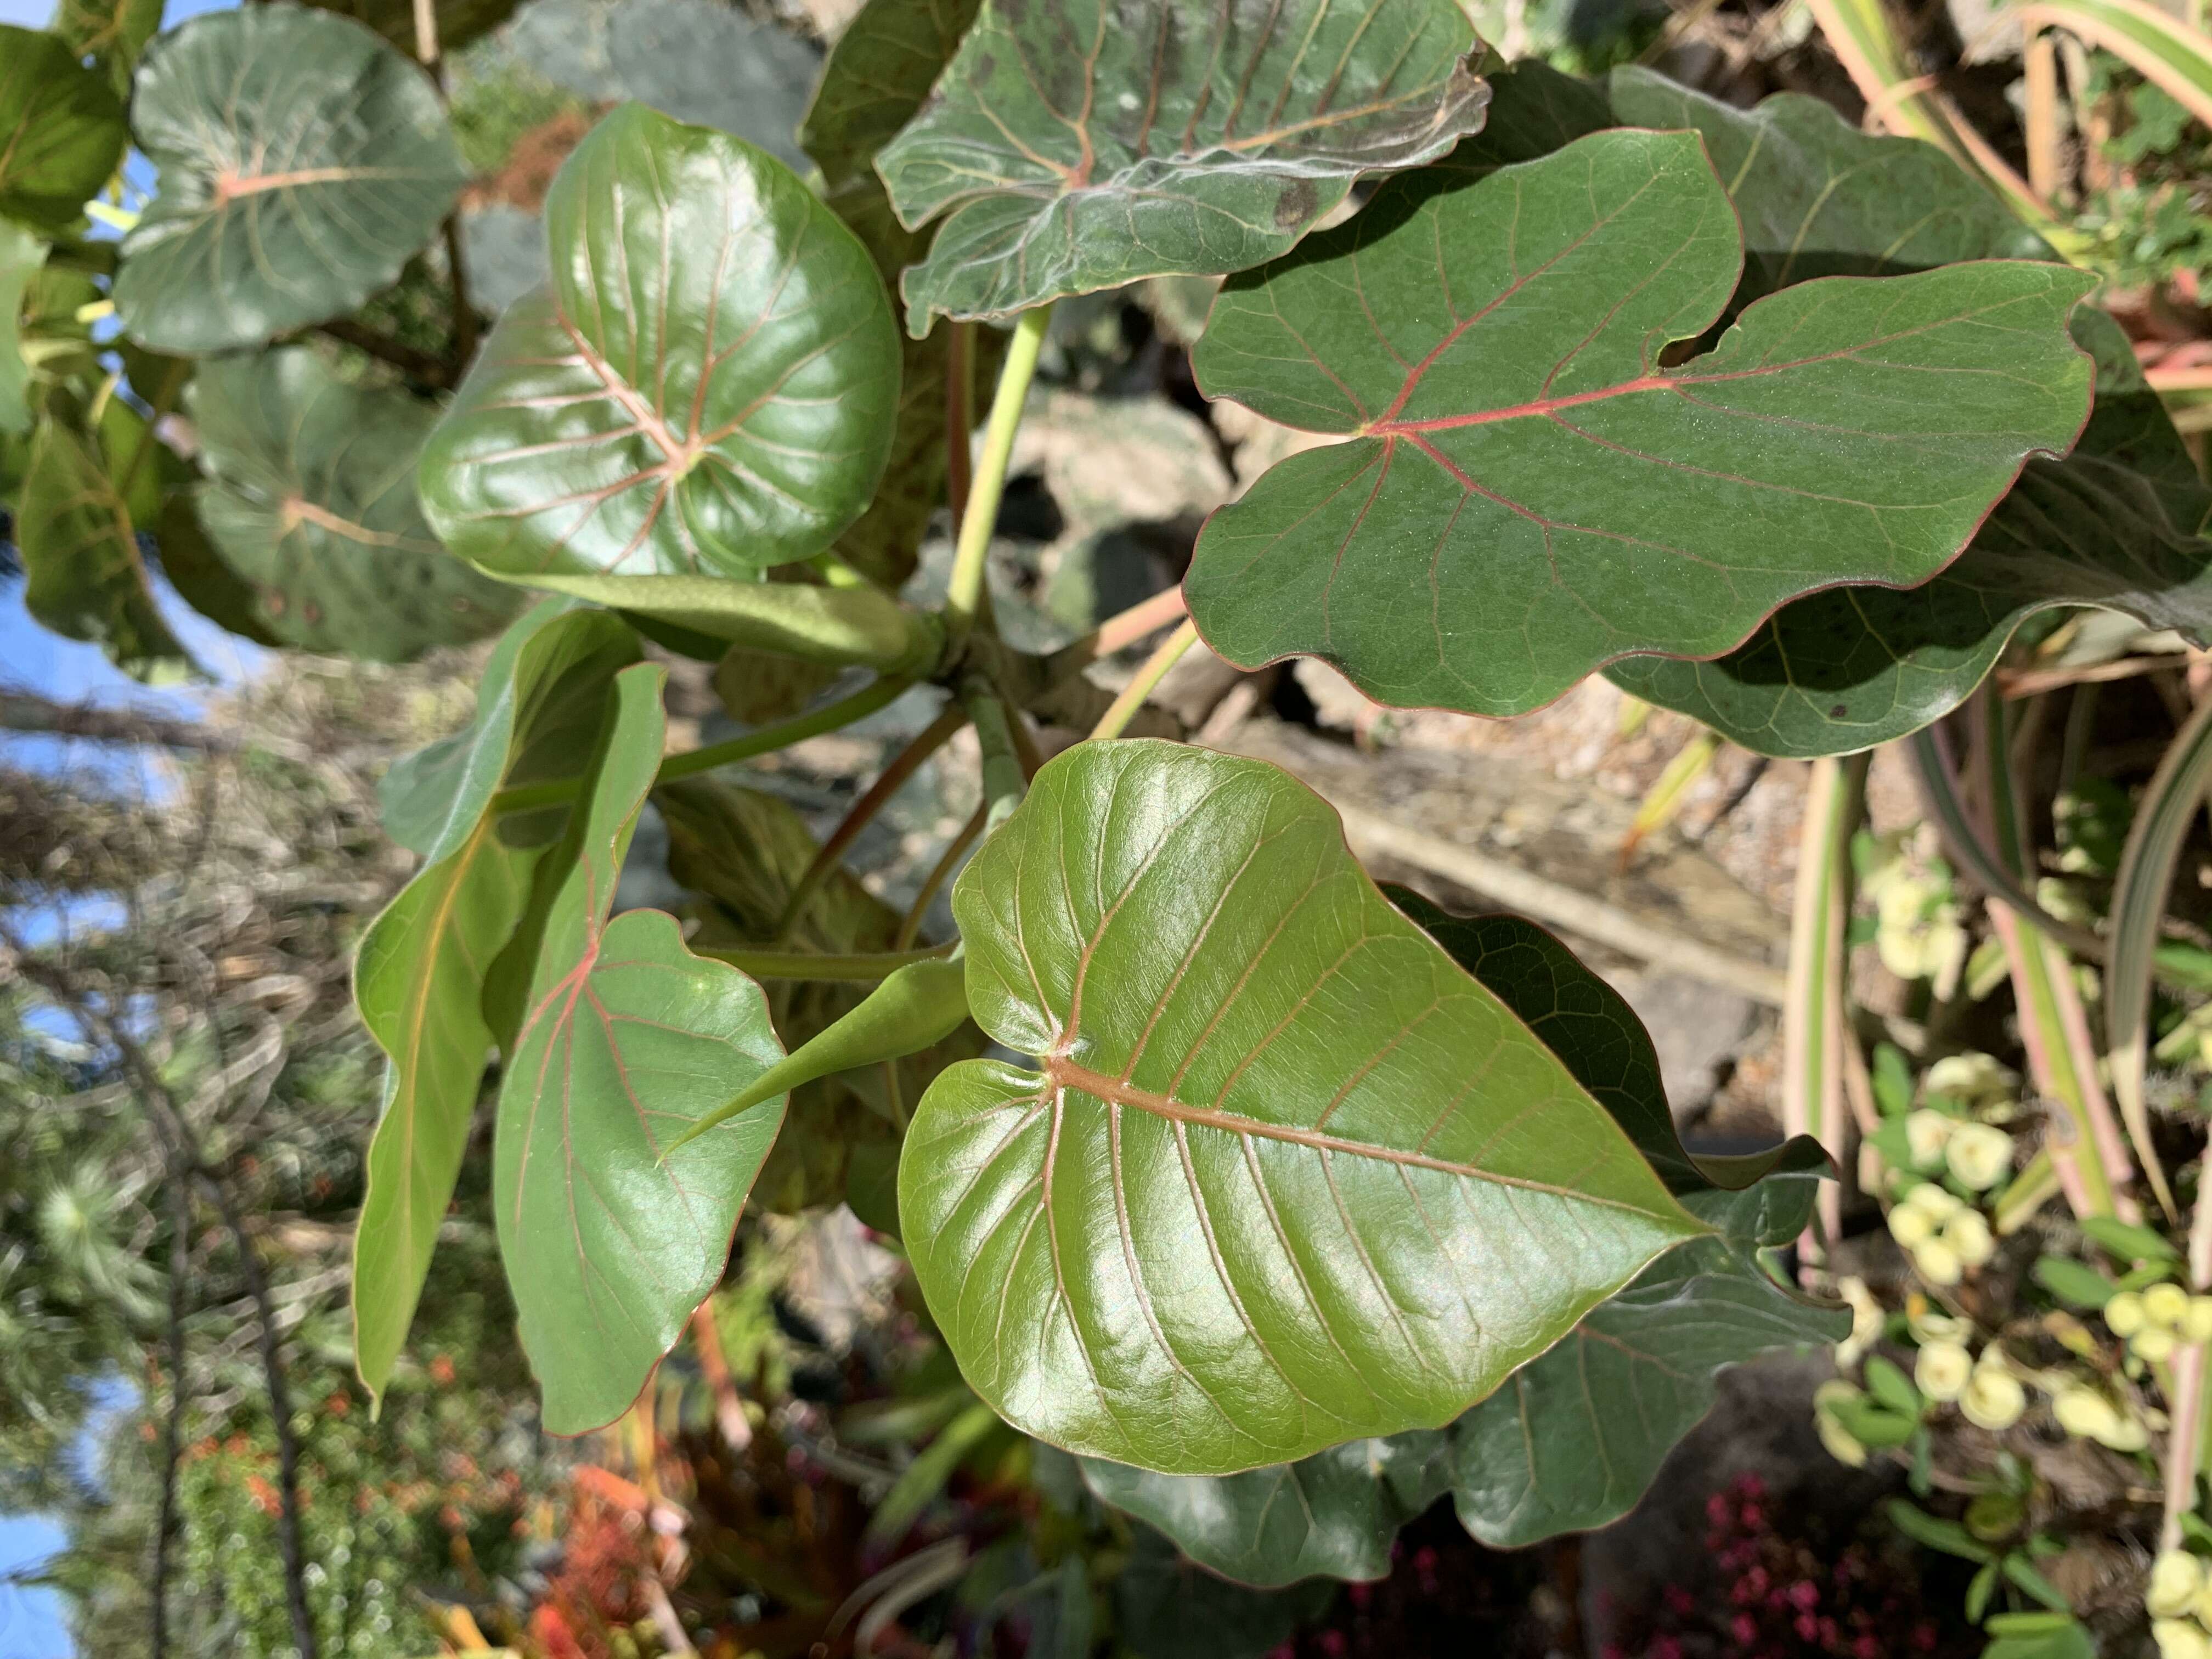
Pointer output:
x,y
1573,1437
112,33
874,80
61,130
1851,667
1287,1176
310,499
460,22
1334,1515
1529,493
303,161
419,978
628,1039
1083,146
541,724
707,386
202,580
22,257
84,574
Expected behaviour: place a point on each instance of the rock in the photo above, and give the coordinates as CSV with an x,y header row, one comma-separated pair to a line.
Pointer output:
x,y
1698,1029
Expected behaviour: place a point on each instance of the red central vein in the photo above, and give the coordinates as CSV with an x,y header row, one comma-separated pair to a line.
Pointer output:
x,y
1535,407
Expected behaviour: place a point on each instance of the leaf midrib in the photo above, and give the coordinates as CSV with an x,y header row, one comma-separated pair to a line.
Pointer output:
x,y
1062,1074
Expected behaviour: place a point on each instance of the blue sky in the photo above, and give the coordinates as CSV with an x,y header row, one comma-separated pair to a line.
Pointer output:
x,y
31,1625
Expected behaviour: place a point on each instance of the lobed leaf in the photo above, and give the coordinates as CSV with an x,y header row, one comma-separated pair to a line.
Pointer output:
x,y
1286,1176
310,499
1527,494
302,162
418,980
1083,146
628,1039
61,130
707,386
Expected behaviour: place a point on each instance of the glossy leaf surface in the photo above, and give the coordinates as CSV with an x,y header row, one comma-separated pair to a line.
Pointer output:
x,y
310,499
1287,1177
1334,1515
1084,146
419,977
85,577
1528,494
628,1039
302,162
61,130
2115,524
707,385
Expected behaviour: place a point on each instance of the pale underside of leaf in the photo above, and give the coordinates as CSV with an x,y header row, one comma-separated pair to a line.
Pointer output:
x,y
1286,1177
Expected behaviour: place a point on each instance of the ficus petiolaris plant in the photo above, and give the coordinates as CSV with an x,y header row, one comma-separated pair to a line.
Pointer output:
x,y
1216,1163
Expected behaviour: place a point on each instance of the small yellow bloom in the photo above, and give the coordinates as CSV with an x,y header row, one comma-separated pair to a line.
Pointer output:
x,y
1938,1263
2124,1314
1943,1371
1911,1226
2153,1344
1938,1203
1925,1131
1972,1079
1994,1400
2196,1323
1867,1320
2178,1639
1842,1445
2085,1414
2176,1578
2165,1304
1968,1233
1979,1154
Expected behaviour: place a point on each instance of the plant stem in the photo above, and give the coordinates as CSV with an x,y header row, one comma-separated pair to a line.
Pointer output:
x,y
959,415
1812,1019
939,875
1005,779
965,595
1124,707
2185,1444
904,765
765,741
1116,633
423,366
804,964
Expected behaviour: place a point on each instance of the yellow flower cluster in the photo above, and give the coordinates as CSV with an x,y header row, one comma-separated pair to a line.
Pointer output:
x,y
2180,1597
1945,1238
1986,1391
2155,1321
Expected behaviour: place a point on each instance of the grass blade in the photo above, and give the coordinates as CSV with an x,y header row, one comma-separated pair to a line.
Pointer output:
x,y
2162,49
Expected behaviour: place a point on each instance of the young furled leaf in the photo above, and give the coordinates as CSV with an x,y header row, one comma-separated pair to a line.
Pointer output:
x,y
1530,491
626,1040
310,499
302,162
1082,146
61,130
707,386
419,978
1287,1176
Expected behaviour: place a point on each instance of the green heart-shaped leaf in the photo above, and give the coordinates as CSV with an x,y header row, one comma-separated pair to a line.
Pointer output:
x,y
84,575
1334,1515
302,162
112,33
708,385
311,499
1287,1176
628,1039
1082,146
419,978
1530,493
61,130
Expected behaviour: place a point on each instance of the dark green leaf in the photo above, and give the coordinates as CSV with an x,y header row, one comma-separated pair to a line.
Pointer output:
x,y
2039,1636
310,499
1527,495
1333,1515
112,33
61,130
85,575
1166,1608
419,979
1936,1532
2129,1241
21,256
2074,1283
708,385
628,1038
302,162
1288,1177
875,81
1083,146
460,22
202,580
